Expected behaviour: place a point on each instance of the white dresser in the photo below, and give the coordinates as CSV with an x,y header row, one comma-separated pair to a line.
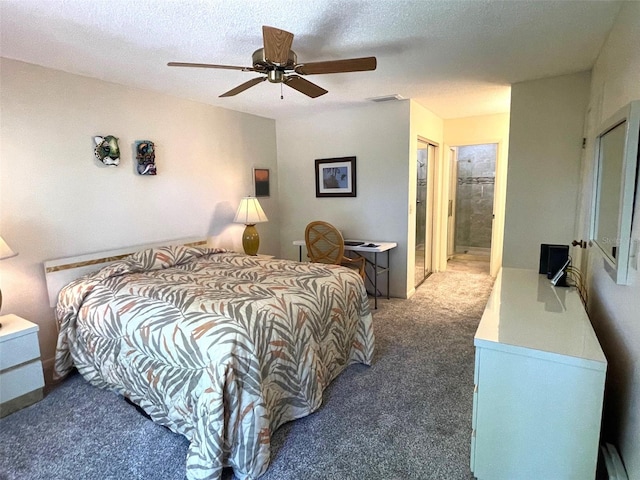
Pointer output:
x,y
539,383
21,378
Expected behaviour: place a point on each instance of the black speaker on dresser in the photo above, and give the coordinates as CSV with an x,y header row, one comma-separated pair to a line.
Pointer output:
x,y
552,259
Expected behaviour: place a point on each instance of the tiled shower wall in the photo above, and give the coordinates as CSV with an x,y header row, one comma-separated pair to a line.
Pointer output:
x,y
474,196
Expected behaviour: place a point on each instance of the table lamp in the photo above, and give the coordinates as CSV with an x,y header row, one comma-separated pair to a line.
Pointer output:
x,y
5,252
250,212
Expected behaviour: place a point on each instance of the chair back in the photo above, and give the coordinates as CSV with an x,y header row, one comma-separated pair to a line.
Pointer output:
x,y
324,243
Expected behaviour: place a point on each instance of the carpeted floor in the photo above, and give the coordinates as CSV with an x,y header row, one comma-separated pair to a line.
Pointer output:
x,y
464,262
408,416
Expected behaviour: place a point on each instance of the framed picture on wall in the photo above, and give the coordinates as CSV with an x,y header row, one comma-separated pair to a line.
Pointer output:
x,y
336,177
261,182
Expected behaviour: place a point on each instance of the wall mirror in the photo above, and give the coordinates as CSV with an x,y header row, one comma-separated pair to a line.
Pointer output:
x,y
616,184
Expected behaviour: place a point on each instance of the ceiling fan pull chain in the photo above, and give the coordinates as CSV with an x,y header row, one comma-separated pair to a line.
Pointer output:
x,y
281,94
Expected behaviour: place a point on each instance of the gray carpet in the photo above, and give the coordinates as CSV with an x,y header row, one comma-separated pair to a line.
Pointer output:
x,y
408,416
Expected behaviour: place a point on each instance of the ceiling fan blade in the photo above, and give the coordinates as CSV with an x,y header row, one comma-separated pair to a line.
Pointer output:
x,y
277,44
304,86
243,87
337,66
210,65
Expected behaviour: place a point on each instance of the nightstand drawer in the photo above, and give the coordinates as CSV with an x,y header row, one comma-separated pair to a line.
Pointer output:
x,y
20,349
21,381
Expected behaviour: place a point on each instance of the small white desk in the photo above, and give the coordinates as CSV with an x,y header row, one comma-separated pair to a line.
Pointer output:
x,y
360,249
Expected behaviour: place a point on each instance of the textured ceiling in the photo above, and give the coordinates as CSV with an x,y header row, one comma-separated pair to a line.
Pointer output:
x,y
457,58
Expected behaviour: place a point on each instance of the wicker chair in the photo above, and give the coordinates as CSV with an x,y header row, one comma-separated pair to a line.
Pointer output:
x,y
326,245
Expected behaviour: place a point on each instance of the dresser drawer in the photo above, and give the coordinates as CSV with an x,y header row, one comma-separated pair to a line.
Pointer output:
x,y
474,420
472,463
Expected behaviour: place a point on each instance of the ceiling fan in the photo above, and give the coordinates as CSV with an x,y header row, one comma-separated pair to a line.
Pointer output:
x,y
279,64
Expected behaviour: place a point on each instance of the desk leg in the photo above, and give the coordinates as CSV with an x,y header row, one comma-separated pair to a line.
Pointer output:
x,y
377,270
388,275
299,253
375,280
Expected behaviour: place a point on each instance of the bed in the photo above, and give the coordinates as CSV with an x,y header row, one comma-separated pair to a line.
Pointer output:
x,y
218,346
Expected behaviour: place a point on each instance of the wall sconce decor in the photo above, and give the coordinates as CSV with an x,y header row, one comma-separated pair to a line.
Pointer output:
x,y
107,150
146,157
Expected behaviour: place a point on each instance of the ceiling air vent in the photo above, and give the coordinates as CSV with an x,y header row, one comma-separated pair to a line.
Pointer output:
x,y
387,98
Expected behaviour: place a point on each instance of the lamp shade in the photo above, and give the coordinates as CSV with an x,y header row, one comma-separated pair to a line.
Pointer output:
x,y
250,212
5,250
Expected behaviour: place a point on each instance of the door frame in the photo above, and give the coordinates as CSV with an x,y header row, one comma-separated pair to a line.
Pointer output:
x,y
432,244
499,199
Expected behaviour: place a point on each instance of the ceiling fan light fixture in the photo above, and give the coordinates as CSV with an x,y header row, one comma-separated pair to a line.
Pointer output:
x,y
275,76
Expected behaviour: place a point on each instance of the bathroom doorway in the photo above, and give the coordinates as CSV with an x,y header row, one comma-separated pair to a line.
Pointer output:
x,y
470,230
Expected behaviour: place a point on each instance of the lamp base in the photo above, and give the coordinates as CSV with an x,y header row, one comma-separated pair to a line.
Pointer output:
x,y
250,240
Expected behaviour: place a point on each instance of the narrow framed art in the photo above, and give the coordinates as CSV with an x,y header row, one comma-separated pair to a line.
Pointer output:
x,y
336,177
261,182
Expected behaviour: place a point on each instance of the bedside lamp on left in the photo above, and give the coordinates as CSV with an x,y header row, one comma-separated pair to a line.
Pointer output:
x,y
5,252
250,212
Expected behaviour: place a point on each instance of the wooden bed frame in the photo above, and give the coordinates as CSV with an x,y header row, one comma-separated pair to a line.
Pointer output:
x,y
61,271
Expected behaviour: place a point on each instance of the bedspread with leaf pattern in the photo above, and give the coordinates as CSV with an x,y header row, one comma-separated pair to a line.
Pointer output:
x,y
218,346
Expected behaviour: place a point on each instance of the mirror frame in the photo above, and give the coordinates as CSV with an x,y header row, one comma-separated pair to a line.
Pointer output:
x,y
618,266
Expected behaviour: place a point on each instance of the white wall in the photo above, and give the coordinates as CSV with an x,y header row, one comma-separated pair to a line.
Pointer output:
x,y
614,308
56,200
383,138
377,135
428,126
545,148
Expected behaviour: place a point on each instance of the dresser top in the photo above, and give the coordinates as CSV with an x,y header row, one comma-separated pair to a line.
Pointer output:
x,y
14,326
525,314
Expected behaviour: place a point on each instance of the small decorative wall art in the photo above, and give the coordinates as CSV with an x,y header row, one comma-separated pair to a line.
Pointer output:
x,y
107,150
146,157
336,177
261,182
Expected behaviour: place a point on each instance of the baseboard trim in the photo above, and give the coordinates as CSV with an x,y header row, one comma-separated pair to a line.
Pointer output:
x,y
47,370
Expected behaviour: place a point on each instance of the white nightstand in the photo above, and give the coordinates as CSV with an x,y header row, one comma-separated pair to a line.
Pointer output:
x,y
21,378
